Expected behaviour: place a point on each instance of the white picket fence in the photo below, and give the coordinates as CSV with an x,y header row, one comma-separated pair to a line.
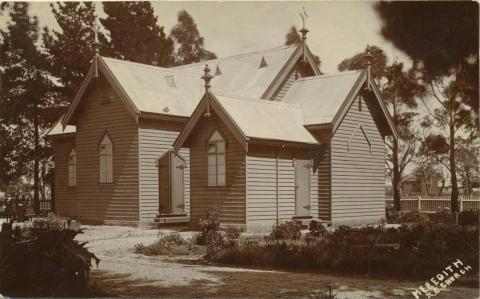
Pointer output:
x,y
435,203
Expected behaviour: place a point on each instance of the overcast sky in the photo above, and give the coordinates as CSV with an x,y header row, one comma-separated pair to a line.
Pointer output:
x,y
337,29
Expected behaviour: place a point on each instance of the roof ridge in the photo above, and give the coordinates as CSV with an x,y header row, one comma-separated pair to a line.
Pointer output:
x,y
240,98
169,70
339,74
233,56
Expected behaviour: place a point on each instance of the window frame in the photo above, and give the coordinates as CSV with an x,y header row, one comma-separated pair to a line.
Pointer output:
x,y
72,180
103,177
220,169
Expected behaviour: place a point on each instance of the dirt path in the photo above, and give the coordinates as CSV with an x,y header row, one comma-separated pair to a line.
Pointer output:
x,y
123,273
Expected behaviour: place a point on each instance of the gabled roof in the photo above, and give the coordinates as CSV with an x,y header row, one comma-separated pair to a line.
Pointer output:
x,y
175,91
242,74
252,119
325,99
156,89
321,96
268,120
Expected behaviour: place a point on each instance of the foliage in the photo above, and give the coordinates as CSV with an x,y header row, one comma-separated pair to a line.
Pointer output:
x,y
447,67
359,62
209,223
316,229
328,294
289,230
51,223
440,35
469,218
170,244
414,251
43,262
232,234
25,96
190,44
71,49
135,34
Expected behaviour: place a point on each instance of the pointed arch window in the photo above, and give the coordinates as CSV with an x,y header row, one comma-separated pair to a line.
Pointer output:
x,y
216,160
72,168
106,160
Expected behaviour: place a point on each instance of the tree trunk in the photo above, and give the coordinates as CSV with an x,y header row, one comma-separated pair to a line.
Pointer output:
x,y
441,188
36,202
453,173
396,177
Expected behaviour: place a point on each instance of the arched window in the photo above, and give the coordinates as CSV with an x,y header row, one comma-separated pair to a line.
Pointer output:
x,y
106,160
216,160
72,168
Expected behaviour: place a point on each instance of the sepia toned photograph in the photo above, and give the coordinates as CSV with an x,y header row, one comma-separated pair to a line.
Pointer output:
x,y
239,149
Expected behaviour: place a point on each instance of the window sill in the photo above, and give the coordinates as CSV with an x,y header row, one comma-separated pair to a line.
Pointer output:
x,y
106,184
219,188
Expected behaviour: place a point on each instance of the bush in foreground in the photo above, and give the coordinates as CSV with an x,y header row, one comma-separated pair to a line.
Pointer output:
x,y
44,260
170,244
414,251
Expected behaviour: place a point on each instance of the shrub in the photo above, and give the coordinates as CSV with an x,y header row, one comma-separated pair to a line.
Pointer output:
x,y
210,223
43,261
215,242
232,234
286,231
469,218
316,229
51,222
169,244
413,251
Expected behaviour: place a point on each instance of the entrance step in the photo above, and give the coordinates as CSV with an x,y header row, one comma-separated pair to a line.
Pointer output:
x,y
165,220
304,221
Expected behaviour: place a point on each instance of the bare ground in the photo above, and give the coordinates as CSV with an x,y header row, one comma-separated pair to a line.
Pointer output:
x,y
122,273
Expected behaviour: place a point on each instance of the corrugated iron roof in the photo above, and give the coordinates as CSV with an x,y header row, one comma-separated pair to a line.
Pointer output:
x,y
266,119
241,74
156,89
321,96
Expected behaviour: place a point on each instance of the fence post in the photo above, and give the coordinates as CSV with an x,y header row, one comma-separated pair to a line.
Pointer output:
x,y
461,203
419,203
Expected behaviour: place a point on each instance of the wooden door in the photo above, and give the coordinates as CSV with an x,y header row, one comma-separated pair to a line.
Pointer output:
x,y
164,183
302,188
178,167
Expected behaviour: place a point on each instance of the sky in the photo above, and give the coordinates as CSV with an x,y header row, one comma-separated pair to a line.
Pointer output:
x,y
338,30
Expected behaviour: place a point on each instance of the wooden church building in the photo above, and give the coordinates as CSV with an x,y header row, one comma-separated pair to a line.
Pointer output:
x,y
264,136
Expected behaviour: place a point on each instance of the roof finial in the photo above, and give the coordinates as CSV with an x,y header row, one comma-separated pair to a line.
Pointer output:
x,y
369,56
304,30
207,78
96,45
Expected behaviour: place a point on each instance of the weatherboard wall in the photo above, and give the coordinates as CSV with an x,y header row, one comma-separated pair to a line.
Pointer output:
x,y
65,196
100,112
230,199
155,139
263,193
358,171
